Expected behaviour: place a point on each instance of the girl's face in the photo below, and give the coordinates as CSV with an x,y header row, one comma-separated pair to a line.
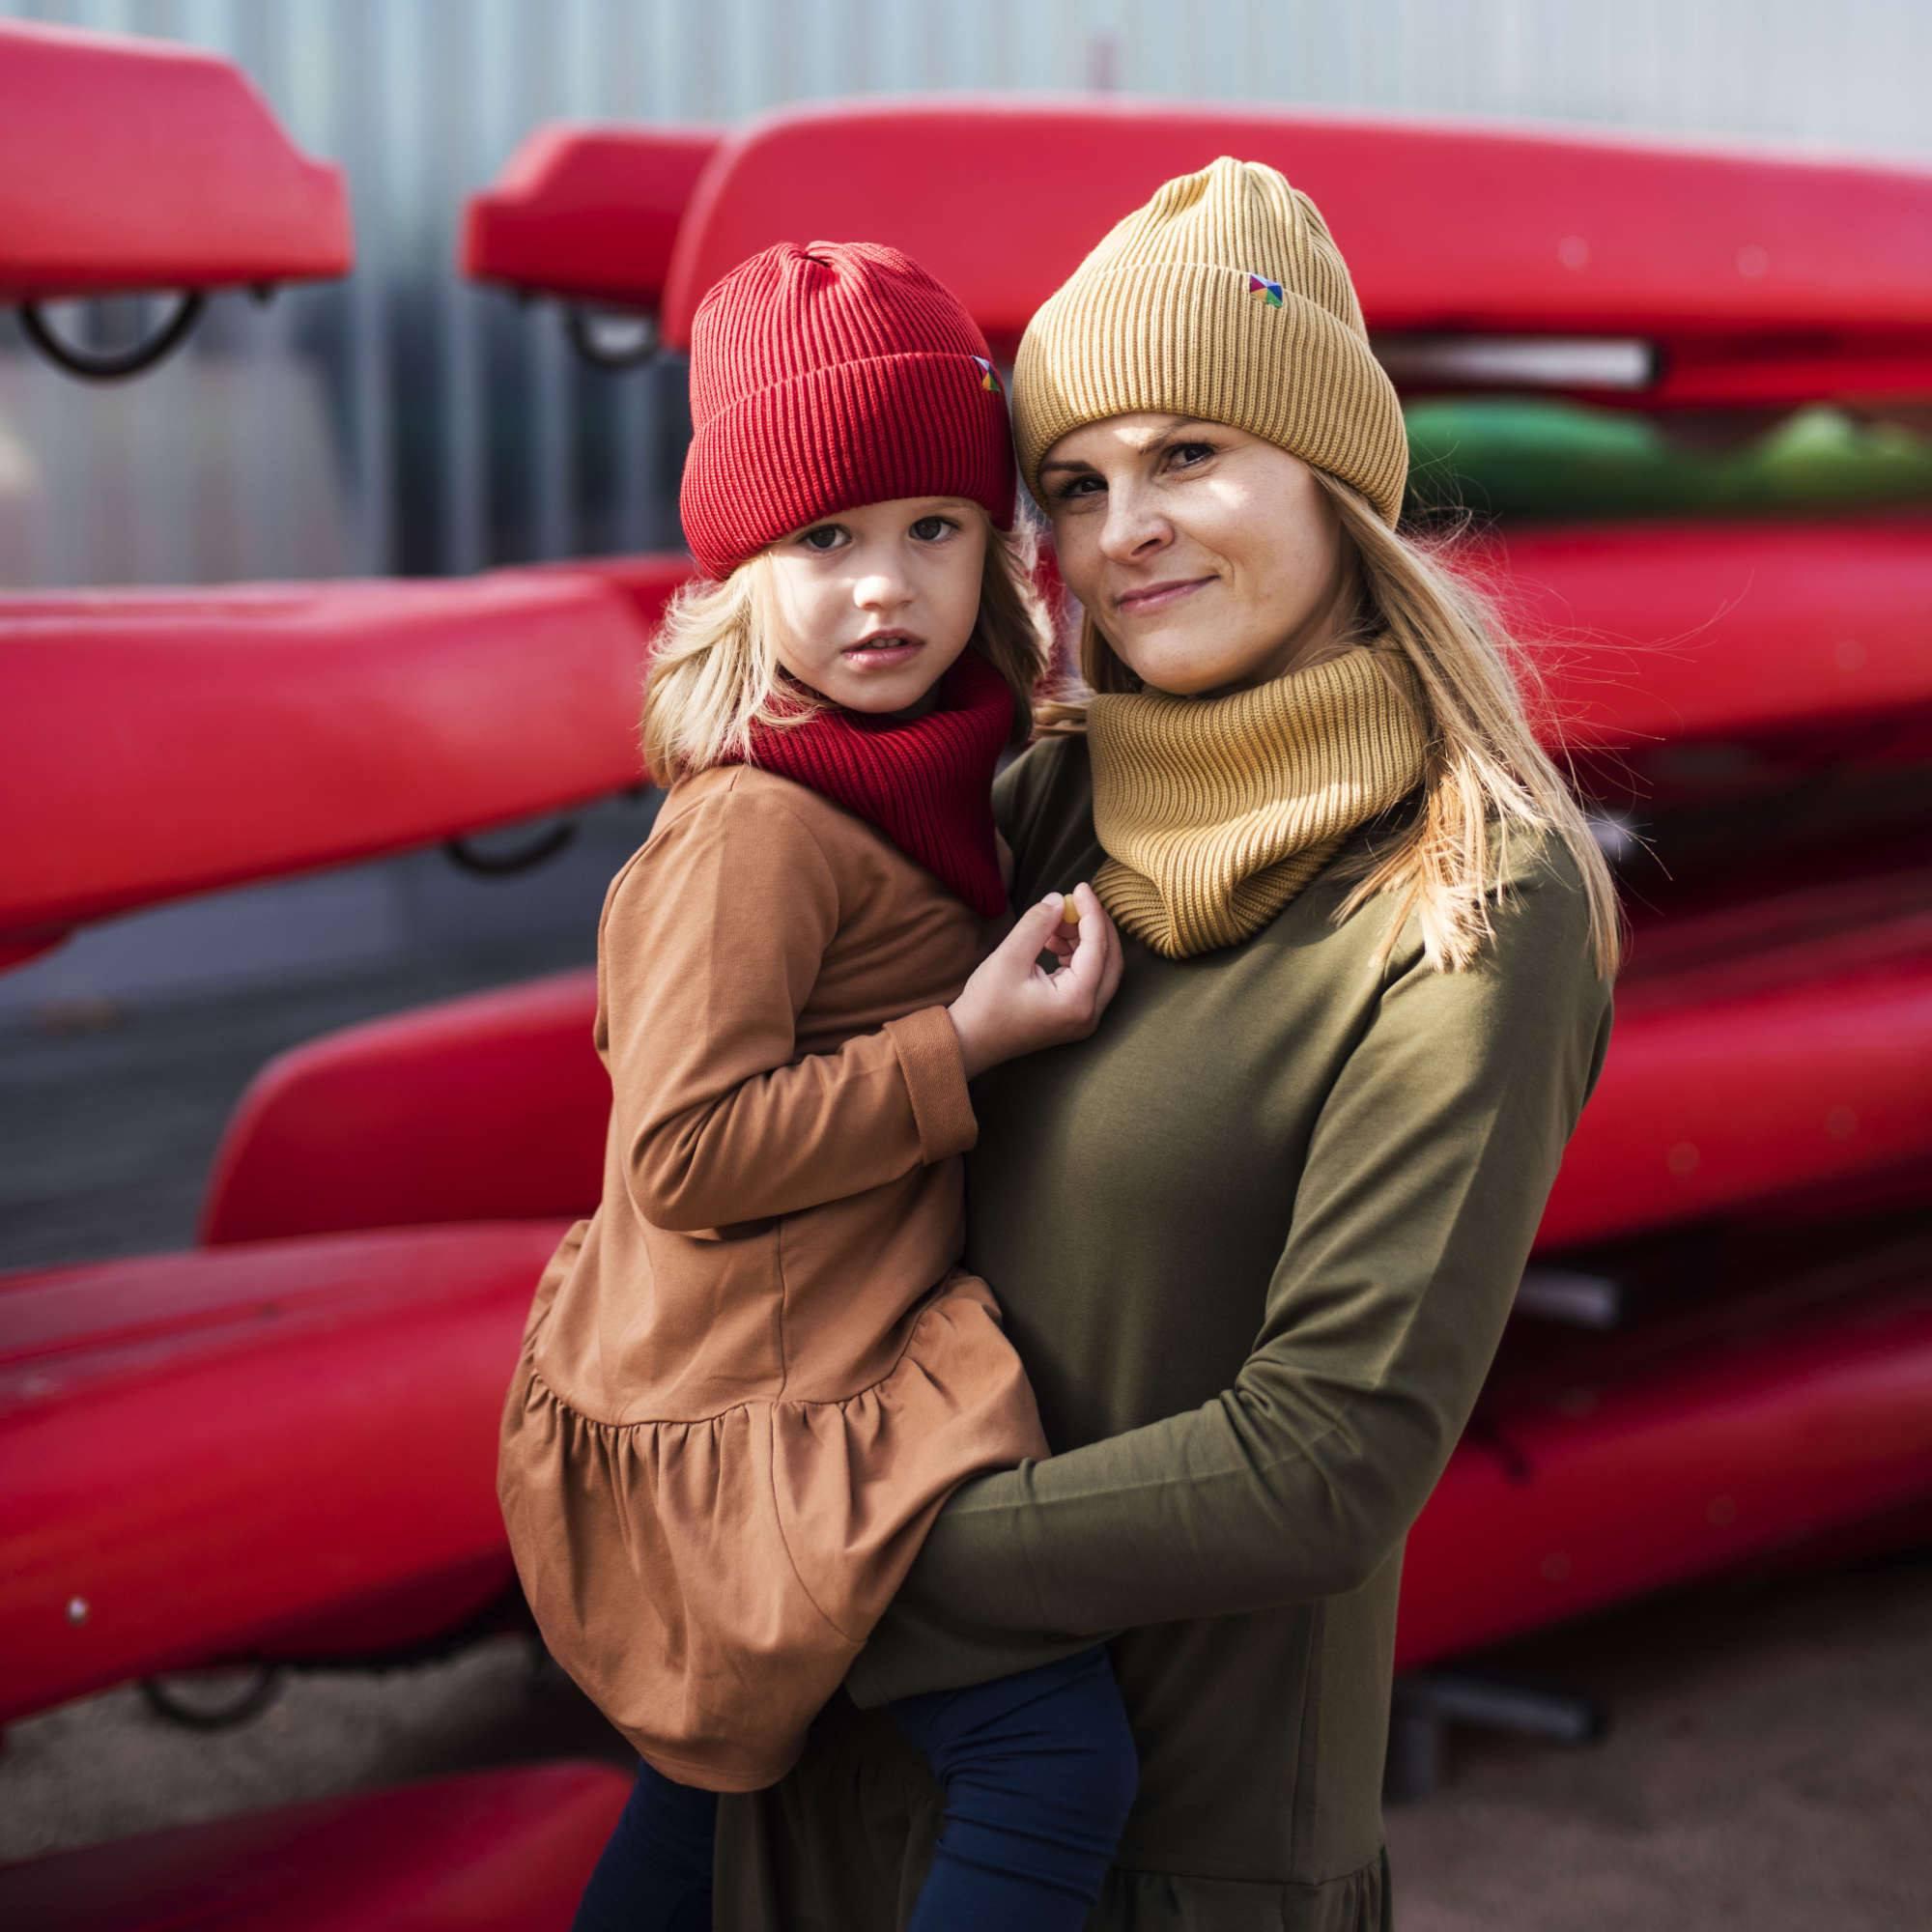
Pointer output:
x,y
873,606
1211,559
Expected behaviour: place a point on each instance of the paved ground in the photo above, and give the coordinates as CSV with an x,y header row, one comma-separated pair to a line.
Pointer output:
x,y
1772,1751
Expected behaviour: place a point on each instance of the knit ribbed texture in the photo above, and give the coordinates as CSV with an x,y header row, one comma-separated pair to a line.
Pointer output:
x,y
1215,812
829,377
927,784
1225,298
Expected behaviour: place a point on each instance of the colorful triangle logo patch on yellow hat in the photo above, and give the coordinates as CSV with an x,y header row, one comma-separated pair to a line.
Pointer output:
x,y
1269,292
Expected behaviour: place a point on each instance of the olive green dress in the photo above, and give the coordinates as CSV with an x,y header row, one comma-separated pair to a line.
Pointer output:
x,y
1254,1241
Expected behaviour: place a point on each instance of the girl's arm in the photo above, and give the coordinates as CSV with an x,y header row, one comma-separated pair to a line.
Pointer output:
x,y
711,942
1425,1179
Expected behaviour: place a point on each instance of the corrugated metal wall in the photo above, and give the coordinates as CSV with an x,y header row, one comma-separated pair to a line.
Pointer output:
x,y
406,423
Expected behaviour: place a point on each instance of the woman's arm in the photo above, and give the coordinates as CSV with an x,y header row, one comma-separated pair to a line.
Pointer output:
x,y
1425,1179
711,943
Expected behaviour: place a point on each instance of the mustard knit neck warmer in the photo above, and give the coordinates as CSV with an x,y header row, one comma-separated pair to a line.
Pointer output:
x,y
1215,812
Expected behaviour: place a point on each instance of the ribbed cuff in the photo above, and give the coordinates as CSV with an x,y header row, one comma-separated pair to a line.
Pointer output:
x,y
927,1045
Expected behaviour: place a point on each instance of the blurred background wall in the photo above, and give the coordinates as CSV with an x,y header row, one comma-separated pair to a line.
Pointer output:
x,y
406,423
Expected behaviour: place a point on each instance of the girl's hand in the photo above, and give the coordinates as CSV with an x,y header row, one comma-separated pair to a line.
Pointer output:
x,y
1013,1005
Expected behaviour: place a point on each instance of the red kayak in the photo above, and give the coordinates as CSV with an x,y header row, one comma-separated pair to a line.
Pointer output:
x,y
1742,1427
143,164
278,1452
495,1851
354,719
1774,279
1650,637
587,212
315,1428
1776,1043
1762,1045
361,719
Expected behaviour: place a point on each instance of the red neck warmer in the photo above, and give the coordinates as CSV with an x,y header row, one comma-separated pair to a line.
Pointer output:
x,y
927,784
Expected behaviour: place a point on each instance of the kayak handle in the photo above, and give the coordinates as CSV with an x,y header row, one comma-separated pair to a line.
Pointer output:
x,y
612,341
471,858
112,365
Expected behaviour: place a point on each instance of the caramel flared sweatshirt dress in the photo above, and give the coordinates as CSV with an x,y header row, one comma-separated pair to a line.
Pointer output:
x,y
749,1382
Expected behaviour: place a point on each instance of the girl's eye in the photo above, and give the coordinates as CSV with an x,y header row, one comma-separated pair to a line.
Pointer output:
x,y
824,537
1066,491
931,529
1187,454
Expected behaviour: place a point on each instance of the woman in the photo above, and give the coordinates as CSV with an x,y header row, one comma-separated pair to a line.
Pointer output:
x,y
1257,1238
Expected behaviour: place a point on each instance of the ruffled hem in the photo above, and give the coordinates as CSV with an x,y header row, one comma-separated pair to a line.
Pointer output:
x,y
707,1582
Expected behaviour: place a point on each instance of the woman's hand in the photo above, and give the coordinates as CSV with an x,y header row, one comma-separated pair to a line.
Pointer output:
x,y
1013,1005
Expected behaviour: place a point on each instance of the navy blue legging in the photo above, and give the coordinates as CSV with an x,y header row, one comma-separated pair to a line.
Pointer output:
x,y
1038,1771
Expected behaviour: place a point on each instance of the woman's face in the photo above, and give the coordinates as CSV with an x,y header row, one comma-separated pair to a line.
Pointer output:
x,y
873,607
1210,559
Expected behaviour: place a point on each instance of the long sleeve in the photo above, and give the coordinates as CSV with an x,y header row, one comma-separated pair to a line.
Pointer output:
x,y
1426,1174
710,945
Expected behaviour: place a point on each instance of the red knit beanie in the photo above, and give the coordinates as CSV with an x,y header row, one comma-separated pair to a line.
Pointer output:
x,y
827,377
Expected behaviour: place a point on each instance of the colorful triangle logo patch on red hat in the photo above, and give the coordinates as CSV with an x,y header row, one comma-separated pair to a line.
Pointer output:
x,y
1269,292
989,376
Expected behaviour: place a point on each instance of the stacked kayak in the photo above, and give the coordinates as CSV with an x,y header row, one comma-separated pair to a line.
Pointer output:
x,y
1763,1043
278,1451
1766,1041
1776,280
500,1851
359,719
1786,1399
191,1447
235,204
353,719
587,212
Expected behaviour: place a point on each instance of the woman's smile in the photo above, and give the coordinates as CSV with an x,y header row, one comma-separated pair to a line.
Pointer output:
x,y
1157,596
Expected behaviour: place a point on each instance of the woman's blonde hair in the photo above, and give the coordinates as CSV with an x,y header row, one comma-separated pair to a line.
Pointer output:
x,y
1486,779
715,674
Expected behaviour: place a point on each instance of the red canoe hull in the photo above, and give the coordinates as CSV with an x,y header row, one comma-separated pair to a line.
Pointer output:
x,y
280,1450
1801,1416
498,1851
1774,279
587,212
138,164
362,719
1760,1047
315,1478
290,726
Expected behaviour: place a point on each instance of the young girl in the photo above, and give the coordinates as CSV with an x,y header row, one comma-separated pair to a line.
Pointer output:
x,y
750,1380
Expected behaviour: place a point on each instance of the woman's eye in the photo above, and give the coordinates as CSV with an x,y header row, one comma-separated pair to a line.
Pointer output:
x,y
826,537
1077,487
1186,454
931,529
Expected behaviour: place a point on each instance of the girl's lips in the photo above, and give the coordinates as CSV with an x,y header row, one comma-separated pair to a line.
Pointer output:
x,y
1158,598
882,656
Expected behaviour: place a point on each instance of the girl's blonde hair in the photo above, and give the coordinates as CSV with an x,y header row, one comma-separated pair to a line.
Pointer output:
x,y
1486,779
715,672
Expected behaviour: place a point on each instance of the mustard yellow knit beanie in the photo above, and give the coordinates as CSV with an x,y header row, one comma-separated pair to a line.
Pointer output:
x,y
1225,298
